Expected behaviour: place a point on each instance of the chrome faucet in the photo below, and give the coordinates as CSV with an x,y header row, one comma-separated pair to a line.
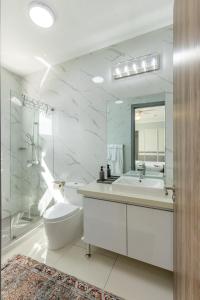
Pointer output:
x,y
142,170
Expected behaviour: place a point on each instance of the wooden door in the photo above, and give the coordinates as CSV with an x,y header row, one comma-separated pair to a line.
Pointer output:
x,y
187,148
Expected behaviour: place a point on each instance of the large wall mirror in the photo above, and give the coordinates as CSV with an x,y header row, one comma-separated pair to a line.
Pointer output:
x,y
148,136
139,132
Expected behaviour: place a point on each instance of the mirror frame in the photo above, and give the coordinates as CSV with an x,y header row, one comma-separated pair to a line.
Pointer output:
x,y
133,108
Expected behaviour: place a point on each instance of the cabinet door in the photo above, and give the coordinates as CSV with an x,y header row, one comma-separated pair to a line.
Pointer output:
x,y
150,236
105,224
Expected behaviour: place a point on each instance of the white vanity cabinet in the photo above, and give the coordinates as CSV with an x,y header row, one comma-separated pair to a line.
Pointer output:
x,y
105,224
150,236
142,233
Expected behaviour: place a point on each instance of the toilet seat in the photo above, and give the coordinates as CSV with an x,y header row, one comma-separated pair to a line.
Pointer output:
x,y
59,212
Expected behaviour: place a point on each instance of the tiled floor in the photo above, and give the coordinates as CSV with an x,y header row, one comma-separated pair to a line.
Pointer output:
x,y
19,227
120,275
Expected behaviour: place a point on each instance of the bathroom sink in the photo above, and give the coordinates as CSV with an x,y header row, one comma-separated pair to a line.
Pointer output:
x,y
145,182
147,186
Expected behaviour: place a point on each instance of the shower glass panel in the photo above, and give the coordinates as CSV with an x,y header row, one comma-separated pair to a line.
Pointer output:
x,y
31,141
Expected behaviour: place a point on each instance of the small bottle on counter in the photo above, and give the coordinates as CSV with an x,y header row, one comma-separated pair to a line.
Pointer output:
x,y
108,171
101,174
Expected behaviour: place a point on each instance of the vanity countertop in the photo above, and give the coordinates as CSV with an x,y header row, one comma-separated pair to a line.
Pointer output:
x,y
106,192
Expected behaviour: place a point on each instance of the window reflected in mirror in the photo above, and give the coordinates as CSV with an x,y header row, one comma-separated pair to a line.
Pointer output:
x,y
148,136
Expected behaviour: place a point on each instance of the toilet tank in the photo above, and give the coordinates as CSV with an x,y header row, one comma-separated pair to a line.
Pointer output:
x,y
71,194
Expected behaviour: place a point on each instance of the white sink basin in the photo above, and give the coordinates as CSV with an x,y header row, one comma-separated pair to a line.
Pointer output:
x,y
145,182
147,186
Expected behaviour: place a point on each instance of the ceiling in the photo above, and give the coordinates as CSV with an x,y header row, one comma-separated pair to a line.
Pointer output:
x,y
81,26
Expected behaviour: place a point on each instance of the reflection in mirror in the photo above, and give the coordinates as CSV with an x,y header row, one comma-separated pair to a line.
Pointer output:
x,y
139,135
148,137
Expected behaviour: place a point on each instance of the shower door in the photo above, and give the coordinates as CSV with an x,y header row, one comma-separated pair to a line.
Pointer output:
x,y
31,141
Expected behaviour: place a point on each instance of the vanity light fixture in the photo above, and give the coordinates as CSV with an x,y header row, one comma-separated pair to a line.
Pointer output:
x,y
41,14
98,79
119,101
138,65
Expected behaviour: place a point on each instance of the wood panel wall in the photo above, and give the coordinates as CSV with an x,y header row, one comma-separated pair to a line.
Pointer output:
x,y
187,148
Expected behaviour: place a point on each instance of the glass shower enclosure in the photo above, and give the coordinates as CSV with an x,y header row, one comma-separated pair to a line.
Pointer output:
x,y
31,146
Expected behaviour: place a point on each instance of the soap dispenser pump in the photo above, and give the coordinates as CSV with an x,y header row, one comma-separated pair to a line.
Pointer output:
x,y
101,174
108,171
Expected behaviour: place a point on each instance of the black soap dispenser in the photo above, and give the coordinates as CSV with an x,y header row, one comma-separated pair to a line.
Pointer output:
x,y
108,171
101,174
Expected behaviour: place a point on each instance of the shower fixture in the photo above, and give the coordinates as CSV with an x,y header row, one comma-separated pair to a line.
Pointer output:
x,y
24,100
29,139
32,140
35,104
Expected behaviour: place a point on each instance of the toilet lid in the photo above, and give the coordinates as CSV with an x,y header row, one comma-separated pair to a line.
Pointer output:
x,y
60,211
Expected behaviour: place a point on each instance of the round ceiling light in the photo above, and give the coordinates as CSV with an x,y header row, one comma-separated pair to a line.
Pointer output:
x,y
119,101
98,79
41,14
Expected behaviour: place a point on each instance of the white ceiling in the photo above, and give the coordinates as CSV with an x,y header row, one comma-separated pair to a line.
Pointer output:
x,y
81,26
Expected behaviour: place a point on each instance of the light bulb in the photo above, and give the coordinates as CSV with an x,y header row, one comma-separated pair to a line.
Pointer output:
x,y
41,14
135,68
144,65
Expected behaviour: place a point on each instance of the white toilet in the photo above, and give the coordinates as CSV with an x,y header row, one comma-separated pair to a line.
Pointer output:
x,y
63,221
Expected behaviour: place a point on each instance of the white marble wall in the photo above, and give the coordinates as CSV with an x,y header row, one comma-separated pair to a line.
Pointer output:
x,y
9,81
79,119
80,105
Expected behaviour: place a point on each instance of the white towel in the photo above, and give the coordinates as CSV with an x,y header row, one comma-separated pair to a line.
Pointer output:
x,y
115,158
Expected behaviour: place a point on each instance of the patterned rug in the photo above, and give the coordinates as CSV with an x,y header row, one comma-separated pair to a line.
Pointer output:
x,y
26,279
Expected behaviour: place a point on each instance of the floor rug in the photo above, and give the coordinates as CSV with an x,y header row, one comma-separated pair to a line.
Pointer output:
x,y
26,279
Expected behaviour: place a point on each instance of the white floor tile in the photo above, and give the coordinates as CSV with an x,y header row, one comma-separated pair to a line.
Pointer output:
x,y
94,270
120,275
80,243
134,280
94,249
33,246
